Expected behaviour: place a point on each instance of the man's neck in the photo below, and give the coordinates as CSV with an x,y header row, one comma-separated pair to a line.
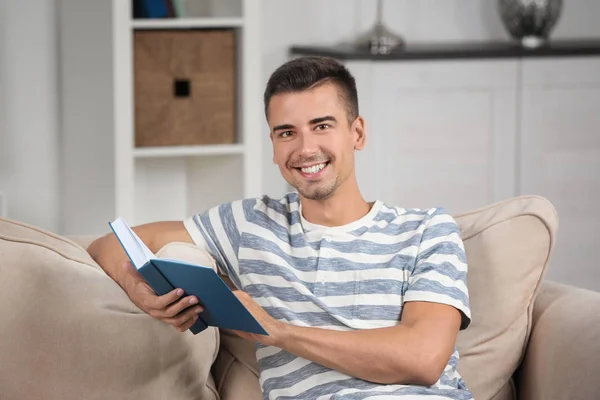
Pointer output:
x,y
343,207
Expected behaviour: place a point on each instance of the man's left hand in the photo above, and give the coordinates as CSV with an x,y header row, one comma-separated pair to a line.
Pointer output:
x,y
273,327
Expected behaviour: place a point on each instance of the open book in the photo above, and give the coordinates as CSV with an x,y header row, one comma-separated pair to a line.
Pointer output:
x,y
221,307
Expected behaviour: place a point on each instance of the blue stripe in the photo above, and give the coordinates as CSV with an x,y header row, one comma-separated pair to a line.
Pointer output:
x,y
292,217
254,242
290,293
367,312
399,263
446,268
332,388
441,229
276,360
292,378
218,250
429,286
445,248
396,229
282,233
230,226
414,391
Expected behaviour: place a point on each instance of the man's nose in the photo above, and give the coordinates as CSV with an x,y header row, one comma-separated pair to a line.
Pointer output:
x,y
308,144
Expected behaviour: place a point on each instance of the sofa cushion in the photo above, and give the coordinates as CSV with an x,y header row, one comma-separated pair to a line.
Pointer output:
x,y
508,245
70,332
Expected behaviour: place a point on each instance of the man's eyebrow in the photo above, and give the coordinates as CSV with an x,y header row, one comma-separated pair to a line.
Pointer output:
x,y
322,119
282,127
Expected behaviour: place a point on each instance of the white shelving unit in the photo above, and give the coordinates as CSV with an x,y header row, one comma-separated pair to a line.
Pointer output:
x,y
167,183
103,175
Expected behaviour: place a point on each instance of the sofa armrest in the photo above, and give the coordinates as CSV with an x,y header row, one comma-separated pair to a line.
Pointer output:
x,y
562,359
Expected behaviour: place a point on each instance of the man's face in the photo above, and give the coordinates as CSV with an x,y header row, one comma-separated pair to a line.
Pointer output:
x,y
313,142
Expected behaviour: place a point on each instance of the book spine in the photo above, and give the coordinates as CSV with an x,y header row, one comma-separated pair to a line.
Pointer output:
x,y
155,279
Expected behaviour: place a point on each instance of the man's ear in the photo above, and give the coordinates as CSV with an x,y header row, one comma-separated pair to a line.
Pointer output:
x,y
360,133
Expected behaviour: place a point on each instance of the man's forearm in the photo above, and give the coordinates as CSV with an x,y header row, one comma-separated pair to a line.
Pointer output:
x,y
384,355
110,256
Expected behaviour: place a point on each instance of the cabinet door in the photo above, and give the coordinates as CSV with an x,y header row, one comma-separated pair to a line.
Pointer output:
x,y
440,133
560,158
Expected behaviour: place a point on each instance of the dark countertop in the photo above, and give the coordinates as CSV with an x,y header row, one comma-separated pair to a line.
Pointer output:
x,y
445,51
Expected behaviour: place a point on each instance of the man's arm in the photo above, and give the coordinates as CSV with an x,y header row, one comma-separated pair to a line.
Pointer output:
x,y
111,257
416,351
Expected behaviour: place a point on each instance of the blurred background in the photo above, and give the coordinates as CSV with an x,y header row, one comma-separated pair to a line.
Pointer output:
x,y
152,109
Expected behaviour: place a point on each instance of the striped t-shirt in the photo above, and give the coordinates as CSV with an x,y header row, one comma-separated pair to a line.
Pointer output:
x,y
355,276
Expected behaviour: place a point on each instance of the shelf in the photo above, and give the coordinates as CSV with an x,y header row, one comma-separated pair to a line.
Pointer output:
x,y
183,151
187,23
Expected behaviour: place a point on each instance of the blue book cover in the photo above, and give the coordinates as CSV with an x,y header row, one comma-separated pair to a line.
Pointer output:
x,y
222,308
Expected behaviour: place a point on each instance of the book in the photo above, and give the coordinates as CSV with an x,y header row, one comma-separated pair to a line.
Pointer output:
x,y
222,308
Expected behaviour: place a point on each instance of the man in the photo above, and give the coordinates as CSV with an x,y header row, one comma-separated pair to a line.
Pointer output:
x,y
360,299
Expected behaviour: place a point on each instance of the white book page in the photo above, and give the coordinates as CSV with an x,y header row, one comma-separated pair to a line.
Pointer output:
x,y
145,250
134,247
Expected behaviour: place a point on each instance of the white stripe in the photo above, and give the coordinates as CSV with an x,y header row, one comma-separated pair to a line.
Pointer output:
x,y
437,259
375,237
285,369
280,219
385,388
401,219
267,352
411,397
332,301
437,298
452,238
329,276
443,279
308,383
303,253
297,307
440,219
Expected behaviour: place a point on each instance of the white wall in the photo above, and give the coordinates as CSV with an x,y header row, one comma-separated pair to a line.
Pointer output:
x,y
28,96
290,22
86,131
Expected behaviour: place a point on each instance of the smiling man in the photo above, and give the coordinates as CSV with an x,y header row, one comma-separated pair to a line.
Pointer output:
x,y
361,299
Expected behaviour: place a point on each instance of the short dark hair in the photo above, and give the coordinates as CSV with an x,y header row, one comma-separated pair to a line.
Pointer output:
x,y
311,71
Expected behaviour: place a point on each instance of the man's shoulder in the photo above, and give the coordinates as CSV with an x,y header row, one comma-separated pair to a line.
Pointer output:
x,y
395,215
250,208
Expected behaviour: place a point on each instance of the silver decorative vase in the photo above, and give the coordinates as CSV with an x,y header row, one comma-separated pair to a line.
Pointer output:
x,y
530,21
379,39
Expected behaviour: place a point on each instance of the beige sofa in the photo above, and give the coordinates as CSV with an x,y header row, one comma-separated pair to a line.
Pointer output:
x,y
69,332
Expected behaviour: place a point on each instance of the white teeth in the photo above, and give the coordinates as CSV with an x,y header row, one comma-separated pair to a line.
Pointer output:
x,y
313,169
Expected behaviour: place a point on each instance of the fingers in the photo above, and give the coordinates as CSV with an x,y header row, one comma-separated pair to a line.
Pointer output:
x,y
162,302
187,325
176,308
184,320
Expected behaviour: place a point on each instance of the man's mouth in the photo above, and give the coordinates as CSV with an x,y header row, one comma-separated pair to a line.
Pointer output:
x,y
312,171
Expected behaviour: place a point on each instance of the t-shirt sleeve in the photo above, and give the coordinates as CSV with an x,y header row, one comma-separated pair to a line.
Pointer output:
x,y
218,231
440,273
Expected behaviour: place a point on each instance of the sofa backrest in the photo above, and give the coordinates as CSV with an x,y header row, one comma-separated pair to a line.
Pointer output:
x,y
508,245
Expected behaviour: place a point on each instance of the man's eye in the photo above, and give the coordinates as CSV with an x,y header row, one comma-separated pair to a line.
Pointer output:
x,y
285,134
322,126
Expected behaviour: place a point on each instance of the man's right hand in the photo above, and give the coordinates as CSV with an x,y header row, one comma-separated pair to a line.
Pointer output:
x,y
170,308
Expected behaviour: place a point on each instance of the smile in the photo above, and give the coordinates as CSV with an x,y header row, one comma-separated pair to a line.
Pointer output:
x,y
313,169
